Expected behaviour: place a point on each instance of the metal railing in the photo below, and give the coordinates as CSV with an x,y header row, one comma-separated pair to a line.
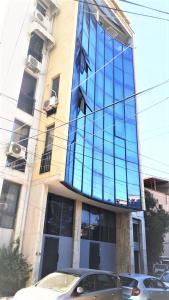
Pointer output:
x,y
45,162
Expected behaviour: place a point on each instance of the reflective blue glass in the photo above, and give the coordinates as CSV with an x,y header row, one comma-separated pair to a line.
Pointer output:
x,y
120,181
102,153
119,148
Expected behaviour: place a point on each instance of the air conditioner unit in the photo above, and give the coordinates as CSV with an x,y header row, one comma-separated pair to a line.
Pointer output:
x,y
50,104
33,64
16,150
38,16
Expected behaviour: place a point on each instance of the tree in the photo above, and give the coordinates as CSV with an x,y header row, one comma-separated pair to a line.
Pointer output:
x,y
157,225
14,270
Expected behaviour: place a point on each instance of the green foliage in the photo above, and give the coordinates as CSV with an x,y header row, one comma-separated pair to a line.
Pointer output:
x,y
14,270
157,225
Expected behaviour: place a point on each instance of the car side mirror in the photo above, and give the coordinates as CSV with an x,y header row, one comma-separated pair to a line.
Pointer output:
x,y
80,290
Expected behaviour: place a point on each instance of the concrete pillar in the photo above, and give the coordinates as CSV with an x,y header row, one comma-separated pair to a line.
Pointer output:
x,y
143,252
124,245
32,243
77,234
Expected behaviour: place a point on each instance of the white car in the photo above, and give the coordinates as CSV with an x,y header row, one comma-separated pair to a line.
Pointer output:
x,y
79,284
143,287
165,278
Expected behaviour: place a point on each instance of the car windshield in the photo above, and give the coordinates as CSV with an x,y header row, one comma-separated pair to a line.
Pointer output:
x,y
58,281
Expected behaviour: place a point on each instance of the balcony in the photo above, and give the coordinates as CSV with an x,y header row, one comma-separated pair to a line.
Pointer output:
x,y
53,6
45,162
16,164
43,32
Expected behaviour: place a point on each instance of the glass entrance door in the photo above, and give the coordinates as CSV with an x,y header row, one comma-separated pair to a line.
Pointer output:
x,y
50,255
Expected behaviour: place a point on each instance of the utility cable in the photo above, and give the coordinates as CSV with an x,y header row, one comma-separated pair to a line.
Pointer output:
x,y
91,157
144,6
106,128
122,10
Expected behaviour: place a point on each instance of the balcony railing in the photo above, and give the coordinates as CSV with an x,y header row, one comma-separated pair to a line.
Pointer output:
x,y
45,162
26,103
16,164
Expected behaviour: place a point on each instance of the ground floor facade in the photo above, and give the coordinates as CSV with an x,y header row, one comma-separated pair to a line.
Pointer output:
x,y
62,232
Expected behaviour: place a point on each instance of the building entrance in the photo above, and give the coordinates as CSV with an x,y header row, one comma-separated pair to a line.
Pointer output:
x,y
50,255
58,231
98,239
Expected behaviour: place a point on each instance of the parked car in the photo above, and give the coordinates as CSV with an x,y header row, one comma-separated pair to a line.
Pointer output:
x,y
77,284
165,278
143,287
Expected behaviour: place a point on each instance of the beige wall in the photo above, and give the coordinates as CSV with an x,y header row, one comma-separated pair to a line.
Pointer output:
x,y
60,62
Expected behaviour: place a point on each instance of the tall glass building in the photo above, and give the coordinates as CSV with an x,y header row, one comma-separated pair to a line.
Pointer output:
x,y
85,197
102,158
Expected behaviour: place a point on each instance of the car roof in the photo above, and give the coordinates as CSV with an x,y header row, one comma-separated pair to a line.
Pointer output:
x,y
136,275
83,271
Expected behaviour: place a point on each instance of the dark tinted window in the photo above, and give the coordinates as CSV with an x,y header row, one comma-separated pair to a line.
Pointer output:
x,y
49,138
59,216
98,224
154,283
27,92
88,283
106,282
136,232
127,281
55,86
36,47
8,203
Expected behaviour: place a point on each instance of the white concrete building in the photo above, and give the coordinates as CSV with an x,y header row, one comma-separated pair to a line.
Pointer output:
x,y
26,41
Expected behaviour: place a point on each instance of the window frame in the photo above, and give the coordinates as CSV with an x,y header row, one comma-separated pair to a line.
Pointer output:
x,y
22,103
53,92
47,137
18,193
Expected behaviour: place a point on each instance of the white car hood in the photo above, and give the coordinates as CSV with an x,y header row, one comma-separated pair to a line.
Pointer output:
x,y
36,293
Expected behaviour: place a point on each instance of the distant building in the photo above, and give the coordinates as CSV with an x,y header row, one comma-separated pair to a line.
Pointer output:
x,y
159,188
77,200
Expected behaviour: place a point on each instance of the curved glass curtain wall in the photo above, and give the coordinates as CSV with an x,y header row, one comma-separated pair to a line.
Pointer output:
x,y
102,155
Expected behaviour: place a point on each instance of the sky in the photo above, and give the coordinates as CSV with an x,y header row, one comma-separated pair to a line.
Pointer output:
x,y
152,67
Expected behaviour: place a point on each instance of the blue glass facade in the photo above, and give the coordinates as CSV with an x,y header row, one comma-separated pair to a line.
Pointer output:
x,y
102,156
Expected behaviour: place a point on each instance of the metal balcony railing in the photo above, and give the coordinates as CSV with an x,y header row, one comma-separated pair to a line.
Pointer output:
x,y
45,162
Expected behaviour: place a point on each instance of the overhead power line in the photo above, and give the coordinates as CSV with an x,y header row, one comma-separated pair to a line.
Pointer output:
x,y
64,123
122,10
82,154
144,6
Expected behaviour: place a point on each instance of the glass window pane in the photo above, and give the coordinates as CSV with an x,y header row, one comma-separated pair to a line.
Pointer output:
x,y
9,201
119,148
54,209
59,216
85,227
55,86
67,218
27,93
120,173
94,224
36,47
49,138
20,133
